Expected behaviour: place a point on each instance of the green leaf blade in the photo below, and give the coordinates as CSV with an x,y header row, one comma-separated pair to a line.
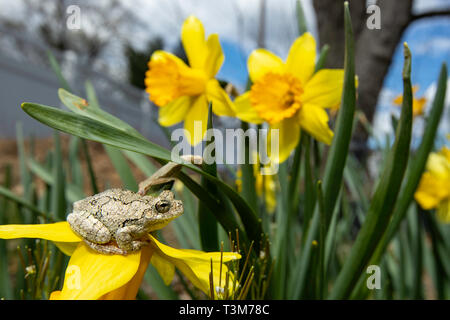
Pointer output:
x,y
415,170
383,201
206,220
335,164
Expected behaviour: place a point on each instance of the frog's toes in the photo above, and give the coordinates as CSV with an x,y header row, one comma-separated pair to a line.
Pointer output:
x,y
106,248
125,242
136,245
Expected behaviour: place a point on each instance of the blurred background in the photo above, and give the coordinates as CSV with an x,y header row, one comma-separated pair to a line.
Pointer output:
x,y
116,39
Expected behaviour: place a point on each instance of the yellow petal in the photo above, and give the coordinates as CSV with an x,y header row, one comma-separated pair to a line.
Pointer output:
x,y
270,187
245,110
314,120
426,199
443,211
193,39
129,290
324,89
266,185
164,267
196,121
438,165
301,59
162,56
58,232
55,295
221,102
398,100
215,57
271,199
67,248
419,106
175,111
288,138
431,191
195,255
196,265
262,61
90,275
418,103
446,151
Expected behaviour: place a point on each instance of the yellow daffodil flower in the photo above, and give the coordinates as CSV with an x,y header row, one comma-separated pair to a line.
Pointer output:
x,y
418,103
265,185
289,95
434,187
183,92
91,275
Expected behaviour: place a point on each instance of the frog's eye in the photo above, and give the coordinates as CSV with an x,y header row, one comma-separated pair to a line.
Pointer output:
x,y
162,206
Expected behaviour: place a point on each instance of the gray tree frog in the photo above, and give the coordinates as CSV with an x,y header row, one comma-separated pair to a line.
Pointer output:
x,y
117,221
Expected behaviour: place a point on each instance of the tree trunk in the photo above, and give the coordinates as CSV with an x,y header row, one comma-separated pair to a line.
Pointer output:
x,y
373,48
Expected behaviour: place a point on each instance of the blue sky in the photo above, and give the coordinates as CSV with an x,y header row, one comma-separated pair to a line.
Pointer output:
x,y
234,69
429,41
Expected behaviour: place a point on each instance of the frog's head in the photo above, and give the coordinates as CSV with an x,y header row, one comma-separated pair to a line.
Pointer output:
x,y
164,209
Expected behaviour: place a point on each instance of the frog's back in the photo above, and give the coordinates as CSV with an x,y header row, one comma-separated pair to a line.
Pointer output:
x,y
116,208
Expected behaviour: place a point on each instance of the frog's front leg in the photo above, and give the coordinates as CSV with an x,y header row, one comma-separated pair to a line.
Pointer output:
x,y
93,232
131,238
89,227
164,178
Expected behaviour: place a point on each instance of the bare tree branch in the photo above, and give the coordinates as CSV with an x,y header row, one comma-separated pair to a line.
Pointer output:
x,y
430,14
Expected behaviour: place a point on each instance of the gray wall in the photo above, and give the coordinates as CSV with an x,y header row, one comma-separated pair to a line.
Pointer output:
x,y
22,82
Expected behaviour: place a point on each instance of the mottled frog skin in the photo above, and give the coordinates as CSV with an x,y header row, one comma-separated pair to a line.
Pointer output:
x,y
117,221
